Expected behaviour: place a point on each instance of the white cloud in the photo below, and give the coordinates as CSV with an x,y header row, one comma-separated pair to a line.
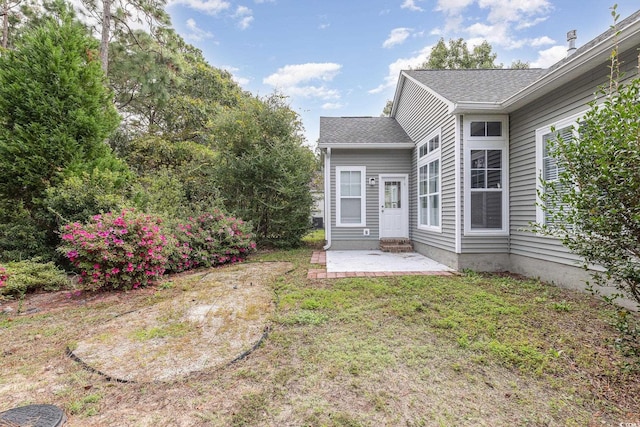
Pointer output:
x,y
548,57
291,75
528,24
245,17
514,10
541,41
496,35
293,80
411,5
242,81
332,106
324,22
196,33
503,17
210,7
397,36
401,64
452,6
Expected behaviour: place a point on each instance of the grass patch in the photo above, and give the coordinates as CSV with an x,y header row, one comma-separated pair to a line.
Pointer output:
x,y
171,330
315,239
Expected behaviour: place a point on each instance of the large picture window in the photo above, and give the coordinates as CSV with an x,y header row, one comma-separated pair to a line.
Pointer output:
x,y
350,197
429,191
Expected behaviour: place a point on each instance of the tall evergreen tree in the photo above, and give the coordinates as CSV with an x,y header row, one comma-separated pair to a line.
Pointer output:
x,y
264,170
55,111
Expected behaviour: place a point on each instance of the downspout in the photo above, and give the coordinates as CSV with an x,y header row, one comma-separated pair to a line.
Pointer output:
x,y
457,180
327,197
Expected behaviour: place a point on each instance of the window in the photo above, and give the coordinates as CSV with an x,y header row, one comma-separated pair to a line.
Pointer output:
x,y
486,189
350,188
548,168
551,170
486,206
486,128
429,182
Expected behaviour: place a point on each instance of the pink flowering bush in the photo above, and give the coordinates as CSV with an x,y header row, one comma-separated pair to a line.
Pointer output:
x,y
211,239
3,276
125,250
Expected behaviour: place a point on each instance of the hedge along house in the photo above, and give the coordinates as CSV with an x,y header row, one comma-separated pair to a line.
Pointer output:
x,y
455,168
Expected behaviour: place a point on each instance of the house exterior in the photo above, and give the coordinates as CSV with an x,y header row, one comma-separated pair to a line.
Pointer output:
x,y
456,166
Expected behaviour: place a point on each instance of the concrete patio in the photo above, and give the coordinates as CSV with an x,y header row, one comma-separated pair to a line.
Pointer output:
x,y
339,264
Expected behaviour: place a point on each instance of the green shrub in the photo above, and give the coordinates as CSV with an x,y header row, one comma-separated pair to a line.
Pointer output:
x,y
211,239
21,234
31,275
162,193
84,194
264,170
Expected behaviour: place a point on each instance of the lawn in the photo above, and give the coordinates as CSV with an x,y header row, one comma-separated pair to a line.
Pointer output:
x,y
401,351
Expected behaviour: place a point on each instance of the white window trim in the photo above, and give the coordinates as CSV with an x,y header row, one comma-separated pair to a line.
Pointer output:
x,y
363,195
430,157
486,143
540,133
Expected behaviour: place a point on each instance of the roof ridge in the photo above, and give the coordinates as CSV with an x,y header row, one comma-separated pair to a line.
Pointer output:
x,y
475,69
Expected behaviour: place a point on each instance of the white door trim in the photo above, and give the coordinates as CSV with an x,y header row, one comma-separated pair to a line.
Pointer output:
x,y
404,199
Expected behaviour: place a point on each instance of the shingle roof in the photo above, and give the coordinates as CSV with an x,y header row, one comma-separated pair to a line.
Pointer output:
x,y
361,130
590,44
477,85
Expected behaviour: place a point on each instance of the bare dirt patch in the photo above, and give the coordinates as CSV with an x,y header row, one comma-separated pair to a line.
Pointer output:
x,y
216,320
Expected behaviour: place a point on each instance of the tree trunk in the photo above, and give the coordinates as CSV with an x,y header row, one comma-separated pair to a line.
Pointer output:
x,y
106,29
5,24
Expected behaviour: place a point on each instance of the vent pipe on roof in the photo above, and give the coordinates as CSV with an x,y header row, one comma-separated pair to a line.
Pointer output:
x,y
571,40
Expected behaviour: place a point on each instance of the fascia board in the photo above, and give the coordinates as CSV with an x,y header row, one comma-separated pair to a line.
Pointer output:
x,y
396,95
396,145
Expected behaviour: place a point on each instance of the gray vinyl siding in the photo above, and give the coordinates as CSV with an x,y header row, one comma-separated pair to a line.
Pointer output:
x,y
562,103
419,113
377,162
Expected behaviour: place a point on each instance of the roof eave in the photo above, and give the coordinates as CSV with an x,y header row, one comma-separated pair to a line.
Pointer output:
x,y
396,95
476,108
578,64
369,146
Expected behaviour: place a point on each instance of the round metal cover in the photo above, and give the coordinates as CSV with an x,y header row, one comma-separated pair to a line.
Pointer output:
x,y
33,416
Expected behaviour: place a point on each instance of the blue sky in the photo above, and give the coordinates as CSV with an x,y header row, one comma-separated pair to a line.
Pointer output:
x,y
342,58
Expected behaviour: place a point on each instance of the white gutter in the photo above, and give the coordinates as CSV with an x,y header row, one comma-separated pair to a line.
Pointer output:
x,y
369,146
470,107
327,198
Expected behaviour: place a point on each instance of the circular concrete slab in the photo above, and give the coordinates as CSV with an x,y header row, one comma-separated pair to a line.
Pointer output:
x,y
33,416
217,318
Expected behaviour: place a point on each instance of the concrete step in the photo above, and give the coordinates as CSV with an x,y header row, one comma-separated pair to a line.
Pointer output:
x,y
396,245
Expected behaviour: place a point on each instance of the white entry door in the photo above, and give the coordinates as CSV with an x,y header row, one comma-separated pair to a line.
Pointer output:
x,y
394,212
